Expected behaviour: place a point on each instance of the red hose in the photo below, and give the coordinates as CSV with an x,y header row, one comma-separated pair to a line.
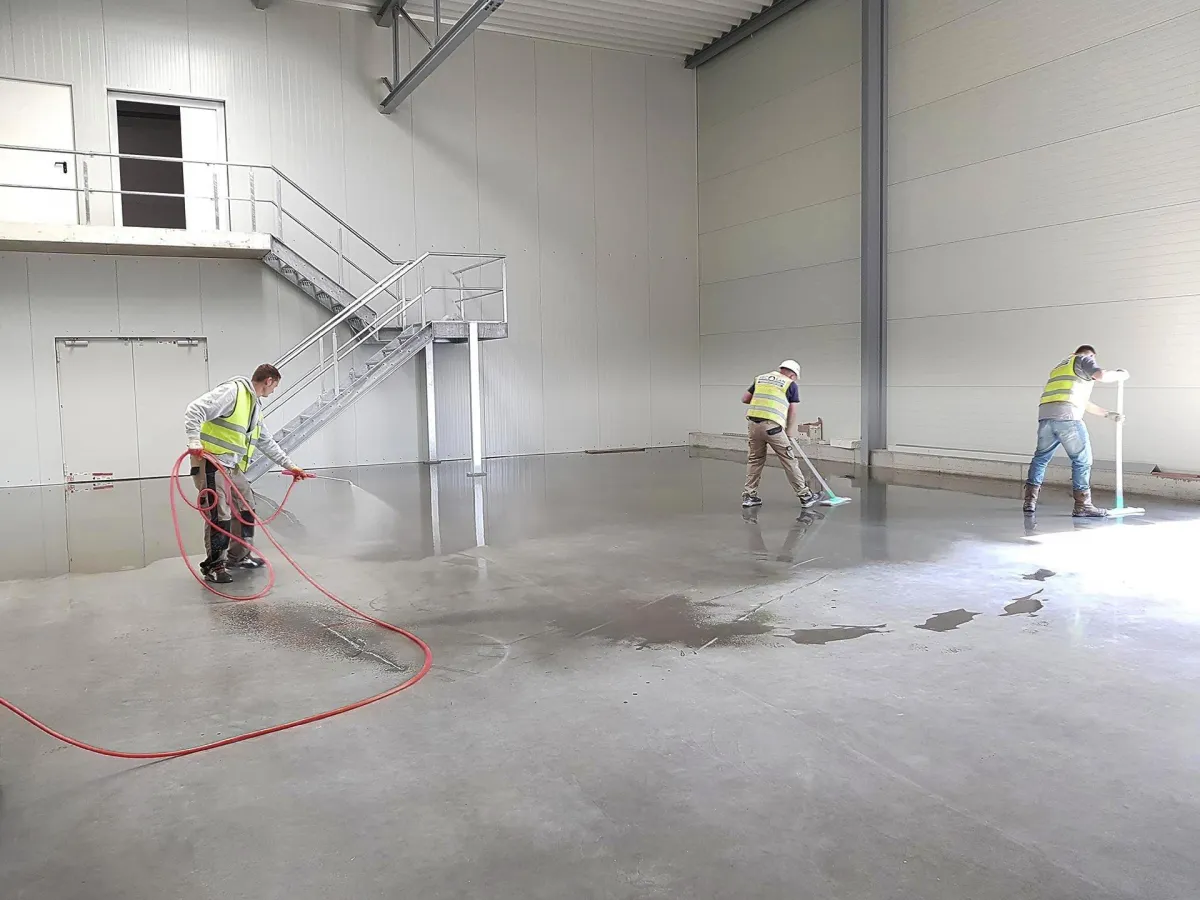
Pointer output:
x,y
201,506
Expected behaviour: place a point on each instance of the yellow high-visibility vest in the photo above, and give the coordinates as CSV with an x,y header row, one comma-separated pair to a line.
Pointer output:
x,y
233,434
770,398
1064,386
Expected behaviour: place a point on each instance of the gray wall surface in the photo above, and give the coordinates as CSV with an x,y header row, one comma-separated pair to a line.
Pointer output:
x,y
779,160
578,164
1044,192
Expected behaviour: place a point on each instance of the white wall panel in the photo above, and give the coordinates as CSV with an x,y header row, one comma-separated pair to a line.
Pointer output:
x,y
239,314
813,236
21,450
567,228
7,50
304,72
447,168
158,297
814,112
506,135
817,295
1140,255
146,46
1011,36
1050,199
379,159
1147,74
227,43
68,295
622,248
817,40
908,19
1141,166
63,41
779,216
783,184
674,255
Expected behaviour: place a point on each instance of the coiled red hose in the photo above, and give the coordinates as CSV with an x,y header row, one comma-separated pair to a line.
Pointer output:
x,y
203,503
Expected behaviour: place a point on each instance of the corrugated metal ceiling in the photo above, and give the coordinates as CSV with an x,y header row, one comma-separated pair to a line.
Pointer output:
x,y
660,27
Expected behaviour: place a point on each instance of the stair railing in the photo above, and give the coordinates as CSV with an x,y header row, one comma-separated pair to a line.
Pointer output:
x,y
411,309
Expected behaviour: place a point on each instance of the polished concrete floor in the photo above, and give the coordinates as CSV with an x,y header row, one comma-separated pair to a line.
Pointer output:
x,y
639,692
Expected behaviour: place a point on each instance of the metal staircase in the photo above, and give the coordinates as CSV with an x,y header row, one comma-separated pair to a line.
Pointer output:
x,y
404,328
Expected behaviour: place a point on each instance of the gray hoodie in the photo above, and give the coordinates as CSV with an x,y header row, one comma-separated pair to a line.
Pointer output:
x,y
219,403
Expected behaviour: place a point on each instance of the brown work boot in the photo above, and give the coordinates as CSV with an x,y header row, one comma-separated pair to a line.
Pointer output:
x,y
1084,509
1031,498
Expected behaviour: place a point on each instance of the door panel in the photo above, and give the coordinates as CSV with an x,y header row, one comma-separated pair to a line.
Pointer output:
x,y
97,409
206,187
169,377
34,114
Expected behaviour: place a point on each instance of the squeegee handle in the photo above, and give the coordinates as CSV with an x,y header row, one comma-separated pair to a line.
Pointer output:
x,y
1120,446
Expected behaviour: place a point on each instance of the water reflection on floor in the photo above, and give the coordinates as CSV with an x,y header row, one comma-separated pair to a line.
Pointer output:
x,y
413,511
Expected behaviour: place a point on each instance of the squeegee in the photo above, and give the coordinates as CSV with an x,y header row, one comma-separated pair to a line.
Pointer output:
x,y
830,499
1121,509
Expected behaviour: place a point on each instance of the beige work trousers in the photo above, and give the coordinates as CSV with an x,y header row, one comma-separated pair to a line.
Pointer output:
x,y
762,435
222,512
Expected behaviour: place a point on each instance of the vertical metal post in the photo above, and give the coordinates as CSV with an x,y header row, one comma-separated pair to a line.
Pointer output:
x,y
253,205
321,354
431,455
403,304
873,351
476,411
437,20
421,285
435,511
480,522
278,206
216,201
87,196
336,380
504,287
341,258
395,45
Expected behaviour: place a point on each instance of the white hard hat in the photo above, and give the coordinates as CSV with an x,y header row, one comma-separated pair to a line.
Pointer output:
x,y
791,365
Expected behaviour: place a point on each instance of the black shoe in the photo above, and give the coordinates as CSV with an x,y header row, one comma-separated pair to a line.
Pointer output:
x,y
809,499
749,500
206,564
218,574
250,562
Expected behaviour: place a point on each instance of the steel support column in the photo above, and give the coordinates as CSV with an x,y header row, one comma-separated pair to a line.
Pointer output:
x,y
476,402
431,451
873,350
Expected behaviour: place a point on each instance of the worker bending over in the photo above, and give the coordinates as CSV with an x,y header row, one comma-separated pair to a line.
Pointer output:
x,y
1066,398
774,401
227,423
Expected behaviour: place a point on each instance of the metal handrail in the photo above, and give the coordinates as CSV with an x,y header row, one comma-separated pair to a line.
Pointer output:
x,y
349,311
281,176
388,317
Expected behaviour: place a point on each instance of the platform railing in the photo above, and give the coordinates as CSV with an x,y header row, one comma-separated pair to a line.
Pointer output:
x,y
416,305
241,196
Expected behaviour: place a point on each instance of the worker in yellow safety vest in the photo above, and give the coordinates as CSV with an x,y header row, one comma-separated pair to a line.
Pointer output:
x,y
771,421
1066,397
226,423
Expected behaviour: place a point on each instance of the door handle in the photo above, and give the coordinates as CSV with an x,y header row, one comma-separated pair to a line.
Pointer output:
x,y
63,164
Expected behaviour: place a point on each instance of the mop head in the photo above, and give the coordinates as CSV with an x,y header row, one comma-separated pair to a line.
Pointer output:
x,y
834,500
1126,511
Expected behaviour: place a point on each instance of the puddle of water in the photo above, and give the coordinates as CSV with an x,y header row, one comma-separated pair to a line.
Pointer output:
x,y
1023,605
834,633
672,620
1039,575
947,621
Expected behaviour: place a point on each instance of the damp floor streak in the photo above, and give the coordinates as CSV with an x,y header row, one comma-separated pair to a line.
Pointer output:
x,y
639,691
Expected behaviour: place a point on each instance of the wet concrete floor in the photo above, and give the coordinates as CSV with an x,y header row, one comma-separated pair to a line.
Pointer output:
x,y
639,691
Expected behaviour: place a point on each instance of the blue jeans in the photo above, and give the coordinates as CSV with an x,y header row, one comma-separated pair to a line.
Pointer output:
x,y
1073,436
